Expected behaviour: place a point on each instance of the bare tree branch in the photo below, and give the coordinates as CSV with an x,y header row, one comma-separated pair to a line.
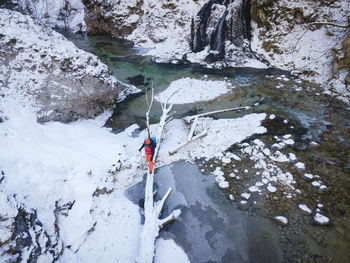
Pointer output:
x,y
330,24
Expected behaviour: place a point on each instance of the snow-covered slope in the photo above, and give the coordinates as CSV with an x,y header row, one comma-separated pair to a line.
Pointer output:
x,y
67,14
60,81
303,37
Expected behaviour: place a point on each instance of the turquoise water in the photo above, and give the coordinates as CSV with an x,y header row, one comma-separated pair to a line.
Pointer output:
x,y
312,117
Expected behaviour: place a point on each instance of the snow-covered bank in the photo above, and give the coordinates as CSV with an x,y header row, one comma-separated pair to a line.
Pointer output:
x,y
59,80
303,37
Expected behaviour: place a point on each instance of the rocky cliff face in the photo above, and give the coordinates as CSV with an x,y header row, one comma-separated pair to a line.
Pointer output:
x,y
62,82
300,36
223,28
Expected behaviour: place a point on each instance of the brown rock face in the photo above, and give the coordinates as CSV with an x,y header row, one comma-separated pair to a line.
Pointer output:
x,y
105,18
346,61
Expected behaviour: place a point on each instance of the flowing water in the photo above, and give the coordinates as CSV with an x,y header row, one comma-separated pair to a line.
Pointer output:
x,y
212,228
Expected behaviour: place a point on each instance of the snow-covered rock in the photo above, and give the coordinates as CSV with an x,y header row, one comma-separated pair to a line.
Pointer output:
x,y
321,219
305,208
60,81
281,219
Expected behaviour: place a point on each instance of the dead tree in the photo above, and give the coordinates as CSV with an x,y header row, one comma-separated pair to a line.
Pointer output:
x,y
153,210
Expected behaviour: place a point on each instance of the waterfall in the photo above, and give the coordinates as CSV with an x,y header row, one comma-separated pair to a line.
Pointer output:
x,y
219,36
221,22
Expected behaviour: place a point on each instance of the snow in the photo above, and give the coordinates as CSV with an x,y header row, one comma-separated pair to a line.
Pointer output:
x,y
305,208
282,219
218,172
308,176
253,188
302,47
224,185
316,183
245,195
168,251
321,219
300,165
271,188
51,13
190,90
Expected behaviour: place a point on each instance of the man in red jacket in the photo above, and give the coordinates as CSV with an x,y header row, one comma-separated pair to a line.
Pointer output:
x,y
149,152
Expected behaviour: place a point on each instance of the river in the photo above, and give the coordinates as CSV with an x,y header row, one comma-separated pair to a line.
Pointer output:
x,y
214,229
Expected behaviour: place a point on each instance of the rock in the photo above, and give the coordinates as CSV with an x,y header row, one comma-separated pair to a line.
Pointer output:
x,y
23,236
115,19
62,82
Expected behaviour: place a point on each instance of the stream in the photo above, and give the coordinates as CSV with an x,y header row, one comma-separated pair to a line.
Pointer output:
x,y
212,228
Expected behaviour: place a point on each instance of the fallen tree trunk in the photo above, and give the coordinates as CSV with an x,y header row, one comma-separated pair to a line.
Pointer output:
x,y
188,119
190,137
152,211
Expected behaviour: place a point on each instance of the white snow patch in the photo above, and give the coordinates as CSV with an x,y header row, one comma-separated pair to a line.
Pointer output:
x,y
300,165
272,116
271,188
245,195
253,188
305,208
190,90
224,184
321,219
282,219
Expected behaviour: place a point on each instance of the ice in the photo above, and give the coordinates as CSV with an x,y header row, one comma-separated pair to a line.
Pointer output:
x,y
169,251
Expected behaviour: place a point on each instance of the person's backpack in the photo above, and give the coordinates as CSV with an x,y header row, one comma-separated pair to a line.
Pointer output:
x,y
153,140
